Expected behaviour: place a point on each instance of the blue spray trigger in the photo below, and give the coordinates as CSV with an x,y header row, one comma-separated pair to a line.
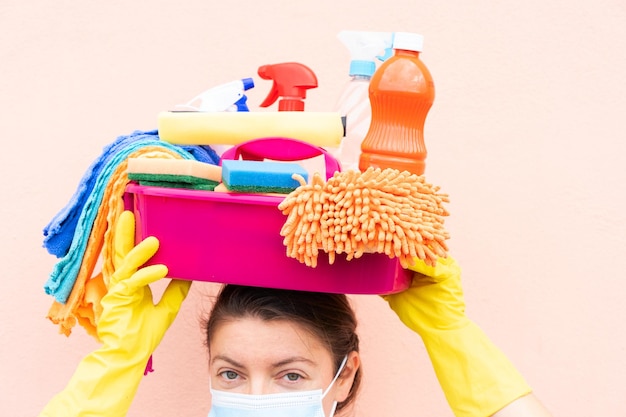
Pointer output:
x,y
242,104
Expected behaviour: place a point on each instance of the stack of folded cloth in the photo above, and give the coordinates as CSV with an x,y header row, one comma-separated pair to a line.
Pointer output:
x,y
81,233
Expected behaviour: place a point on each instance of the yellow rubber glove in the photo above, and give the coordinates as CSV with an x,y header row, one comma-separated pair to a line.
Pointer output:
x,y
131,327
476,377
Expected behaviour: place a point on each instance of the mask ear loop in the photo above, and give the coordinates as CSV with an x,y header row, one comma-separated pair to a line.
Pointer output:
x,y
343,363
334,407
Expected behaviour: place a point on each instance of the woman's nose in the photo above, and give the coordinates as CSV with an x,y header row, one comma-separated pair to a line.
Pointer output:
x,y
259,386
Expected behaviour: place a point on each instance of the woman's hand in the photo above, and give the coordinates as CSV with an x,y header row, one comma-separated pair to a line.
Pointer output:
x,y
434,300
130,318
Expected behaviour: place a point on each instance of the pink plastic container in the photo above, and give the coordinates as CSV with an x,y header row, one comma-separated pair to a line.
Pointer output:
x,y
235,238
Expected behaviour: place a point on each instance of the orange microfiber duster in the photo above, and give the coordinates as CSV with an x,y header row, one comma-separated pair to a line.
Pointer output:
x,y
377,211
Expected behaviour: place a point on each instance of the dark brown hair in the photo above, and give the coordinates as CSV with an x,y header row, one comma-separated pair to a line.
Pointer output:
x,y
328,316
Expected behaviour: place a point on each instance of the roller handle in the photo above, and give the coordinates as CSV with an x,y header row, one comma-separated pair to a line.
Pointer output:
x,y
281,149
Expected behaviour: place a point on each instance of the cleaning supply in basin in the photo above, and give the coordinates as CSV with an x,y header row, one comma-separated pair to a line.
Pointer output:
x,y
177,173
353,102
290,82
376,211
233,128
401,94
226,97
261,176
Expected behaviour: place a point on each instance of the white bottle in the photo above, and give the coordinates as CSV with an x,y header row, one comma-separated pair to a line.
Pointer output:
x,y
353,102
225,97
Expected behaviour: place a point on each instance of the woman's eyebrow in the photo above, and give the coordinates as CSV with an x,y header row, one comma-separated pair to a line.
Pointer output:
x,y
226,359
293,359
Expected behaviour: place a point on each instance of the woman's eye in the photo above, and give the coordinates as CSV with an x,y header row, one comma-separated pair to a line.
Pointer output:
x,y
230,375
292,377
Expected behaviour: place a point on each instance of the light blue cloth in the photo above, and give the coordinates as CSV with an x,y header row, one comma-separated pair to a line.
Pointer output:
x,y
84,207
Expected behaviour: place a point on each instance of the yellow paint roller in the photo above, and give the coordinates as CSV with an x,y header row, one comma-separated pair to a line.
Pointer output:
x,y
233,128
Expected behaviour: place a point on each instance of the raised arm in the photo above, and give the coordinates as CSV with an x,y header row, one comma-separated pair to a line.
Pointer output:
x,y
131,327
477,379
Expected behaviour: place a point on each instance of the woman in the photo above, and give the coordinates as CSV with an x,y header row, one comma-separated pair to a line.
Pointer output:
x,y
284,353
288,344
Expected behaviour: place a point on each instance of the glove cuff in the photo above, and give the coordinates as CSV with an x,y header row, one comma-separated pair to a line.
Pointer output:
x,y
476,377
103,385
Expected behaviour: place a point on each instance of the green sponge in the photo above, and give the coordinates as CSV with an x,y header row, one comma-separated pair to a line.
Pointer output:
x,y
174,173
173,181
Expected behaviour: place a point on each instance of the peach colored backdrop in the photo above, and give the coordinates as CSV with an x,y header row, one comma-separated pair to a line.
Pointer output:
x,y
526,135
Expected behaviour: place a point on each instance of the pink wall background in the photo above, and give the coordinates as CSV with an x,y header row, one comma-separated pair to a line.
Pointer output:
x,y
526,135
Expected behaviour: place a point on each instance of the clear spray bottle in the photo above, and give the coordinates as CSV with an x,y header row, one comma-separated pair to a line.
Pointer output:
x,y
353,102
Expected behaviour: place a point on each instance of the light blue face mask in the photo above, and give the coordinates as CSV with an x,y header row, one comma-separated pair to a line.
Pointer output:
x,y
284,404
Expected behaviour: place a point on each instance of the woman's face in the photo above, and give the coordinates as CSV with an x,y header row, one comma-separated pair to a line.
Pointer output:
x,y
252,356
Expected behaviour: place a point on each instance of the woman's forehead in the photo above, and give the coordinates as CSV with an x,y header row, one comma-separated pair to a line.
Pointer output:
x,y
253,339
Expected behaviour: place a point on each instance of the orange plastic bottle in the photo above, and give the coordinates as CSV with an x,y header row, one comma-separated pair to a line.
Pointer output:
x,y
401,93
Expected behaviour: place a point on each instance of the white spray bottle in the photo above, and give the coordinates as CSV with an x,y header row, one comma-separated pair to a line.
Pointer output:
x,y
225,97
353,102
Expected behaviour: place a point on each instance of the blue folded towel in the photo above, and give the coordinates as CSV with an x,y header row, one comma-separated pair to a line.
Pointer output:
x,y
72,226
59,232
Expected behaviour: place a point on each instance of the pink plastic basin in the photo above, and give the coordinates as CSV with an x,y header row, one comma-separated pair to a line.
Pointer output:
x,y
235,239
